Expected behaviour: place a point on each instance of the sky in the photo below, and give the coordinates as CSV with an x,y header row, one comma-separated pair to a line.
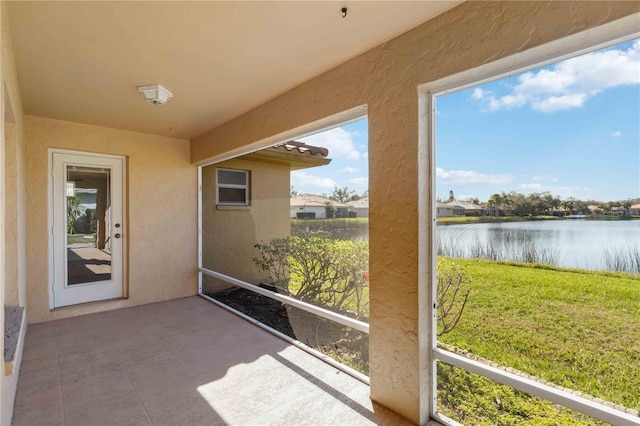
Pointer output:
x,y
348,150
570,128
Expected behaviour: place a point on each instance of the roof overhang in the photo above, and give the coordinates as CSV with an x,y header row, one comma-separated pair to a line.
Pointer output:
x,y
83,61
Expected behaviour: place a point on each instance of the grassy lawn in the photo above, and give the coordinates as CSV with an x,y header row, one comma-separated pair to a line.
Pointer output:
x,y
80,238
577,329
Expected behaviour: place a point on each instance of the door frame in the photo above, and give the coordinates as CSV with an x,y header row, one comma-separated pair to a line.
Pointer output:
x,y
51,224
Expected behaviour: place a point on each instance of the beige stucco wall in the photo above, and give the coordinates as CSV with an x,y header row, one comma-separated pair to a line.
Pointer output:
x,y
14,269
386,80
10,215
12,205
161,231
230,233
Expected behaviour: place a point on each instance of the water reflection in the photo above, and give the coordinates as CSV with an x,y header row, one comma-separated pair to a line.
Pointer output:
x,y
578,244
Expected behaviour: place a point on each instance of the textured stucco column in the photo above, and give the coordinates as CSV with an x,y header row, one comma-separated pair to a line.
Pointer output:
x,y
393,249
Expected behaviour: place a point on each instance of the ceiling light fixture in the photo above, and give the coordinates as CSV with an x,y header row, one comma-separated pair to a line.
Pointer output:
x,y
155,94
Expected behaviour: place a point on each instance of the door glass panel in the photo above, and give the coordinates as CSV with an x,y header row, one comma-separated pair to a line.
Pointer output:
x,y
88,224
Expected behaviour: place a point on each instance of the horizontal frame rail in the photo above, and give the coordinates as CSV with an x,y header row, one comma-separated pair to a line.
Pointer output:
x,y
316,310
598,411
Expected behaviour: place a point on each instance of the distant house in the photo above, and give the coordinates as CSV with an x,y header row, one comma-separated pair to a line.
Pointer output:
x,y
316,207
633,210
593,209
443,210
465,208
491,210
360,207
618,211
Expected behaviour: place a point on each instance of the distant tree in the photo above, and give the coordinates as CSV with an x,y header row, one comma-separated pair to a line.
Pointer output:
x,y
506,200
292,192
330,209
342,195
580,206
451,196
521,204
474,200
555,203
75,210
546,202
567,205
494,201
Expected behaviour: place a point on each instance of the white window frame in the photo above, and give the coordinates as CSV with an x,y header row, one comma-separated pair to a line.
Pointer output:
x,y
616,32
246,187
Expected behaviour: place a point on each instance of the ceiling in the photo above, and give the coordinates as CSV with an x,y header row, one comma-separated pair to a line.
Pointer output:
x,y
82,61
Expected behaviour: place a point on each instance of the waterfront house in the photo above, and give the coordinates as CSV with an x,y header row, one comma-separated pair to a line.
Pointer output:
x,y
469,208
309,206
443,210
359,207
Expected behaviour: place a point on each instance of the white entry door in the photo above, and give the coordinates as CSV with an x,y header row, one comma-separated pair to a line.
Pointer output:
x,y
88,231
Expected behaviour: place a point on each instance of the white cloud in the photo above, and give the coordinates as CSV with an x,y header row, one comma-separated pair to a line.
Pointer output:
x,y
305,182
569,84
365,155
338,141
362,182
531,186
508,101
561,191
349,170
616,134
477,93
558,103
549,178
465,177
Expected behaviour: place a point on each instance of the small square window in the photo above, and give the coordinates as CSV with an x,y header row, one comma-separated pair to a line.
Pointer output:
x,y
232,187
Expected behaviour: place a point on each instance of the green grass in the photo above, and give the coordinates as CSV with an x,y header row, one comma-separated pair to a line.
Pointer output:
x,y
80,238
474,400
577,329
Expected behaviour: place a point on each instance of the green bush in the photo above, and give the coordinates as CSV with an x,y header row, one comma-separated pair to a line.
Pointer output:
x,y
329,273
308,215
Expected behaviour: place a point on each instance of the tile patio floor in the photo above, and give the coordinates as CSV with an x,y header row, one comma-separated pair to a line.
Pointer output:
x,y
182,362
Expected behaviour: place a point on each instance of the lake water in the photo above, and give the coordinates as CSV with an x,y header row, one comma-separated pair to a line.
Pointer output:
x,y
574,243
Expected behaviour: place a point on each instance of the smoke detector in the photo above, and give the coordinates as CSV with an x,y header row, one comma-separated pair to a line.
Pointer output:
x,y
155,94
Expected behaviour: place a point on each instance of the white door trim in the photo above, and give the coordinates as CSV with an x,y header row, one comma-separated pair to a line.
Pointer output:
x,y
90,291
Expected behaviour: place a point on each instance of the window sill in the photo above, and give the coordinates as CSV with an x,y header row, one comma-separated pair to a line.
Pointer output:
x,y
230,207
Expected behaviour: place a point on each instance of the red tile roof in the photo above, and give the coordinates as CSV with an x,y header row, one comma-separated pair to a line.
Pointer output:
x,y
302,148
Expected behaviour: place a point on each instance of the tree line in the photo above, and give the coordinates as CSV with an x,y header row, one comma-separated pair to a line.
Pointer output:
x,y
545,203
340,195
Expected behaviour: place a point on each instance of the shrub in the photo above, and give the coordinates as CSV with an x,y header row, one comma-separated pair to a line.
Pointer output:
x,y
452,294
329,273
306,215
